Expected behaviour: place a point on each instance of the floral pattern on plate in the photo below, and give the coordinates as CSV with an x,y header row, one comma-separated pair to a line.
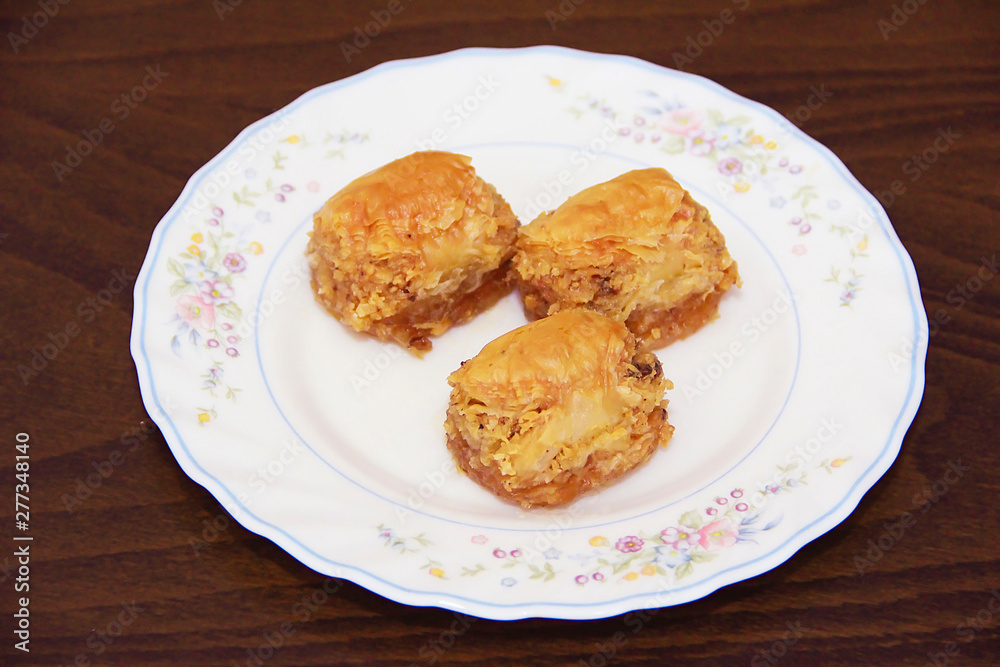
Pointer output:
x,y
741,155
697,536
208,271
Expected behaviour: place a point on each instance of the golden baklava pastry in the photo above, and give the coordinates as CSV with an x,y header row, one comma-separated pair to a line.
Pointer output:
x,y
412,248
637,248
557,407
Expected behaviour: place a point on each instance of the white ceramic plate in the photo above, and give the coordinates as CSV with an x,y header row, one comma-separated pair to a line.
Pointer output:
x,y
787,408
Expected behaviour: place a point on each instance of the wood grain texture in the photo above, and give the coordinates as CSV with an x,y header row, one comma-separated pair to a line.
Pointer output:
x,y
129,542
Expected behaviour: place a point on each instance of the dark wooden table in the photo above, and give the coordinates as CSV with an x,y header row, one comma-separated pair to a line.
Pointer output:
x,y
114,580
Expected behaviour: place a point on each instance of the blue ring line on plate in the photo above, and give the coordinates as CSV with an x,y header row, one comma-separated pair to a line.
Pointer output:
x,y
876,469
295,235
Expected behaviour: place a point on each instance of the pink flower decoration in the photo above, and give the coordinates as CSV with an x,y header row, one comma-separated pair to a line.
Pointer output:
x,y
720,534
799,249
682,121
196,311
479,539
235,262
216,291
699,143
730,166
628,545
312,186
499,553
679,538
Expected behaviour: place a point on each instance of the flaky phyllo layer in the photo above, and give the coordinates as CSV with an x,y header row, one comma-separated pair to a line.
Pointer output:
x,y
637,248
412,248
557,407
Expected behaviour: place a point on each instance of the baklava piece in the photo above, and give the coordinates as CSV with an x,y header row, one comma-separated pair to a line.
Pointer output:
x,y
637,248
556,408
412,248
